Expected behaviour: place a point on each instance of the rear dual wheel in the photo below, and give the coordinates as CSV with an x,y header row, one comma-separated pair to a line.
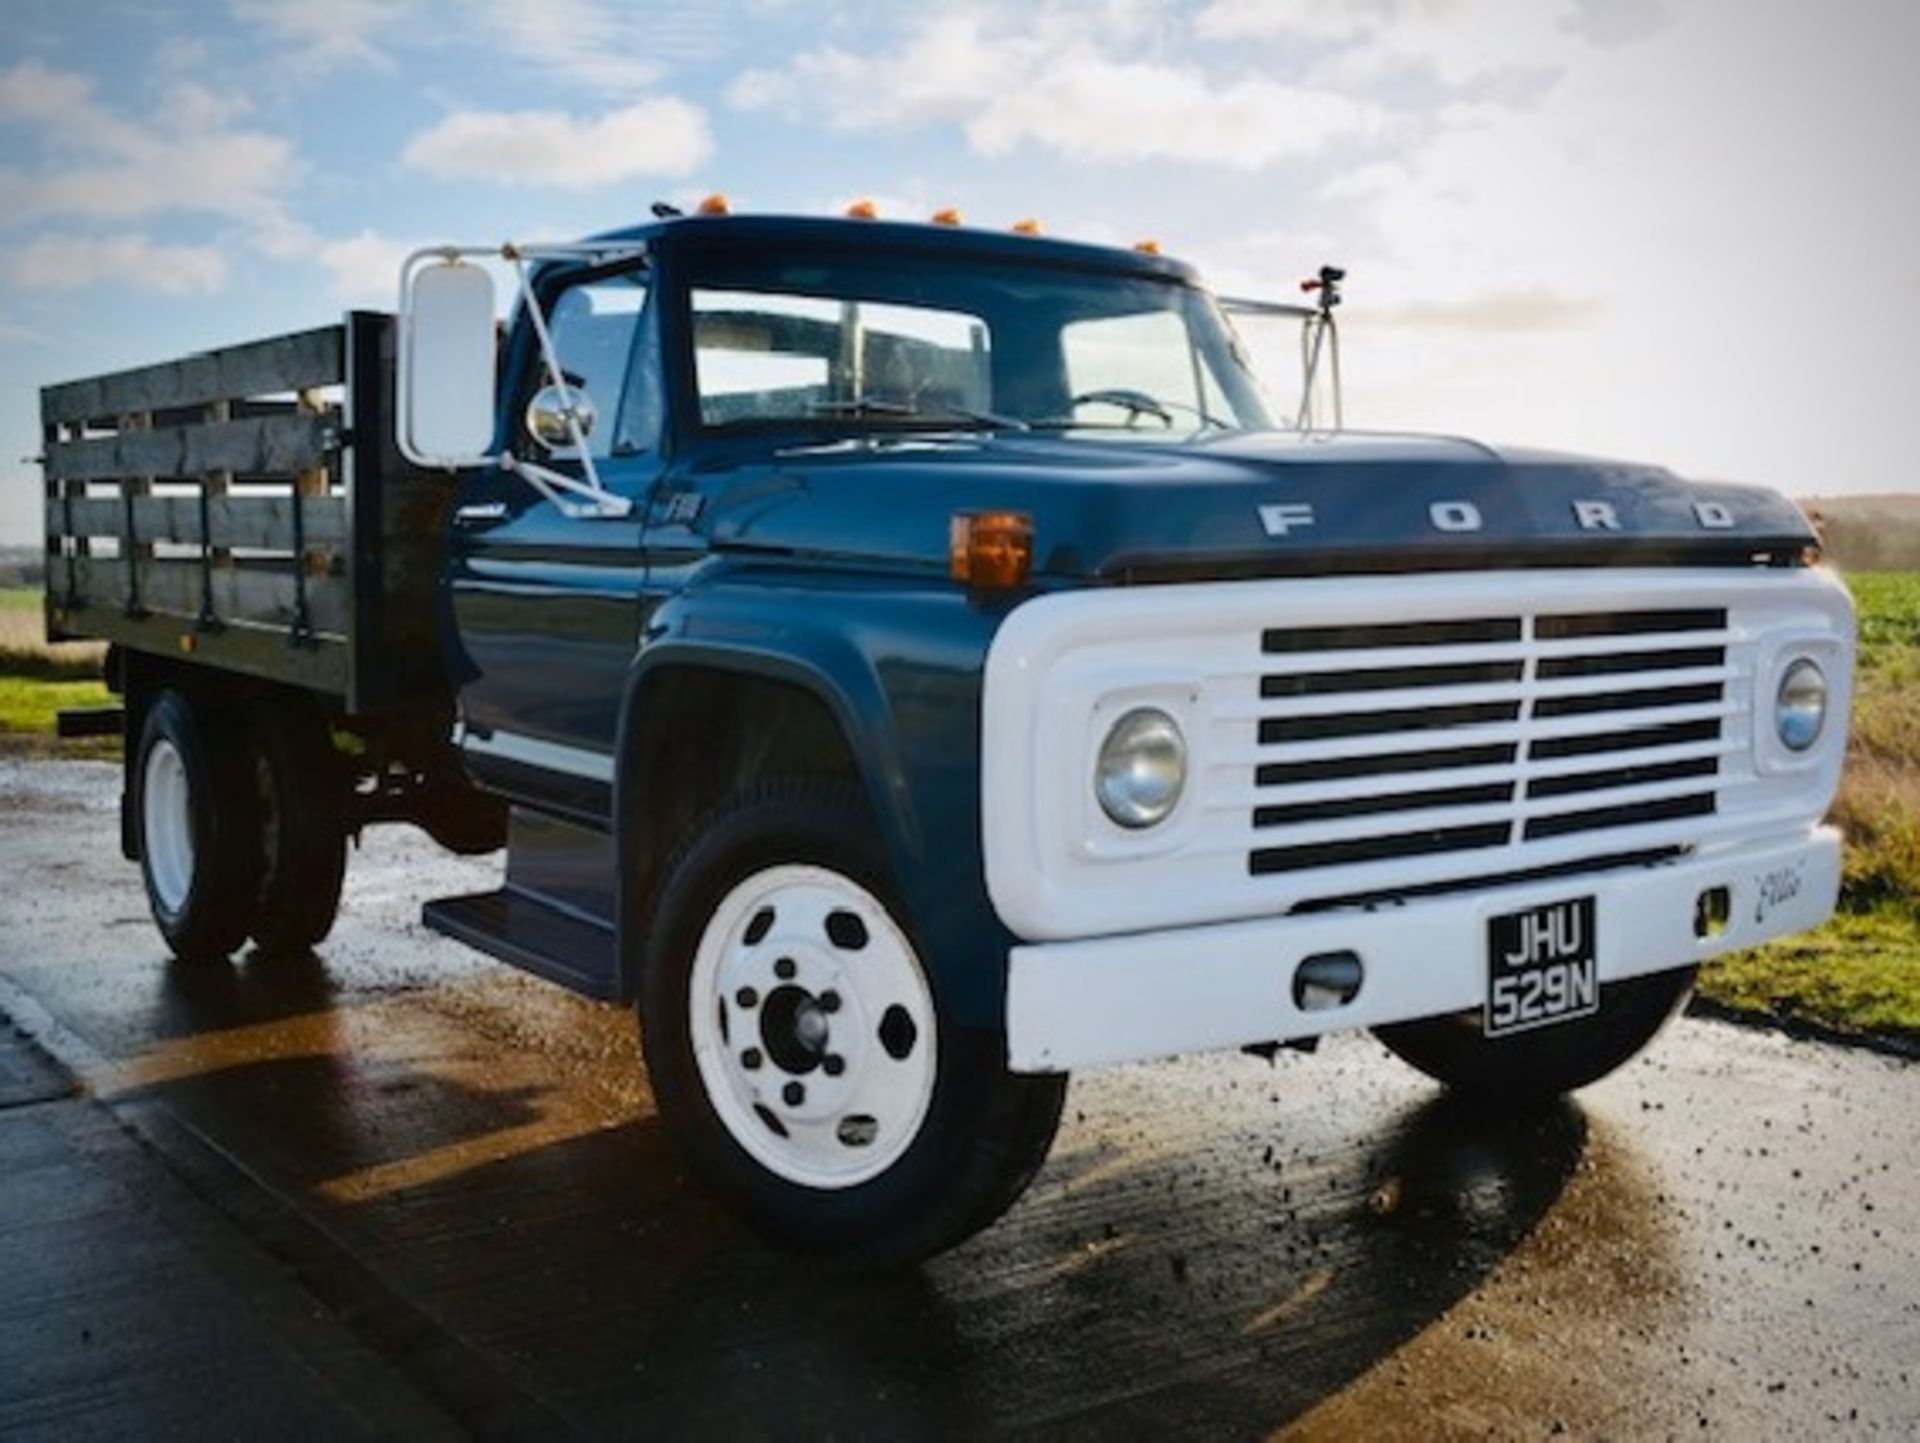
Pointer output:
x,y
240,828
298,796
799,1050
198,855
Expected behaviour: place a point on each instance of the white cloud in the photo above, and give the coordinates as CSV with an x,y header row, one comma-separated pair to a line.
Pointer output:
x,y
1052,81
662,136
33,91
1460,41
1096,109
1508,310
186,157
319,34
132,261
364,269
1623,263
578,42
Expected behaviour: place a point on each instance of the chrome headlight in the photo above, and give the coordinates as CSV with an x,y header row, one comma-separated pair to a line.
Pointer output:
x,y
1800,706
1142,768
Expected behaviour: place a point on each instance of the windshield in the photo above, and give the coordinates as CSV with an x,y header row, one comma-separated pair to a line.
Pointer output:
x,y
841,342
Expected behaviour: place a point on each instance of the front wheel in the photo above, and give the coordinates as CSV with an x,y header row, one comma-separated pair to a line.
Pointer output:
x,y
798,1049
1531,1068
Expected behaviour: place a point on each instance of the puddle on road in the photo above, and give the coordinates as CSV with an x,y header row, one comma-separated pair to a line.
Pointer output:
x,y
1568,1332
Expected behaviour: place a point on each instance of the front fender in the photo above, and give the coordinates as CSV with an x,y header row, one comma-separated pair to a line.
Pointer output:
x,y
898,665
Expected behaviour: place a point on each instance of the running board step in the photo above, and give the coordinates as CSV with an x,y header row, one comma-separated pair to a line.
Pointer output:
x,y
533,935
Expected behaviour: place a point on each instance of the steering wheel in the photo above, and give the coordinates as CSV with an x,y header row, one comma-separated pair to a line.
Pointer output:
x,y
1135,403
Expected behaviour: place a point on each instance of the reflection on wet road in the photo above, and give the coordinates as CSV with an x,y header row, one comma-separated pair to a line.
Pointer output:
x,y
464,1165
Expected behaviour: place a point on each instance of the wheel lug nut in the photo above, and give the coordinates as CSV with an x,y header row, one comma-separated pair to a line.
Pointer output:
x,y
833,1064
751,1059
794,1094
829,1001
784,969
747,997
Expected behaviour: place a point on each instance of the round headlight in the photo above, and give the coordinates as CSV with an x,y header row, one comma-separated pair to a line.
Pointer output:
x,y
1800,707
1142,768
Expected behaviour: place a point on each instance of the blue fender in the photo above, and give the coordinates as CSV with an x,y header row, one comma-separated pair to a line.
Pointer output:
x,y
898,663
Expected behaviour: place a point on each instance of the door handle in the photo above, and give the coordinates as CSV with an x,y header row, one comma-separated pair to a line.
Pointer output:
x,y
481,511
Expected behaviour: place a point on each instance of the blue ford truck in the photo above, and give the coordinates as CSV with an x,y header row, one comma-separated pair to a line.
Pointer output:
x,y
909,663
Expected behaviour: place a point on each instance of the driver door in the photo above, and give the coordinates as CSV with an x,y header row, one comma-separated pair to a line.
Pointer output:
x,y
546,606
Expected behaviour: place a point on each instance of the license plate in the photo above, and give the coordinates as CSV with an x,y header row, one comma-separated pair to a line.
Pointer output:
x,y
1541,967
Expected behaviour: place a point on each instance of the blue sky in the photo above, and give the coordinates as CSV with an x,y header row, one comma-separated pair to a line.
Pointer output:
x,y
1675,230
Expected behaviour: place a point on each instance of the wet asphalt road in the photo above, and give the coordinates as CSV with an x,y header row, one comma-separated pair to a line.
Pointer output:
x,y
457,1171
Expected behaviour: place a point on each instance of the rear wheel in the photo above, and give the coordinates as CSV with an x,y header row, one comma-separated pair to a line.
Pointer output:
x,y
1537,1066
798,1049
196,822
297,791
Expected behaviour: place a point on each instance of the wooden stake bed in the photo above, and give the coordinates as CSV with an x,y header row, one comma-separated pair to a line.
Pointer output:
x,y
246,509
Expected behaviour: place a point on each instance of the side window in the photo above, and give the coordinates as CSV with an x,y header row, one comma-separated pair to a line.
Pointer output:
x,y
593,326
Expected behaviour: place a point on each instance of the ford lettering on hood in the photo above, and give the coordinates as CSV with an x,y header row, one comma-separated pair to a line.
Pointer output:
x,y
1271,503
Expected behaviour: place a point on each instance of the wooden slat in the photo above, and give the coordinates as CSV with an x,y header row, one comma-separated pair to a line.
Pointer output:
x,y
262,368
263,444
257,523
244,592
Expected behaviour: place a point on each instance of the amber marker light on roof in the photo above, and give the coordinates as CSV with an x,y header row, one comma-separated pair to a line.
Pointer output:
x,y
864,209
1029,226
715,204
991,550
947,215
1150,247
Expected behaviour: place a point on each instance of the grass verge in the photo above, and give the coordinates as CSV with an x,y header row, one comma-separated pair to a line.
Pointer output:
x,y
37,681
1860,973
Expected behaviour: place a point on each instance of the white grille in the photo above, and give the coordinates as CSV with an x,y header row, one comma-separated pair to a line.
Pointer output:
x,y
1362,739
1419,738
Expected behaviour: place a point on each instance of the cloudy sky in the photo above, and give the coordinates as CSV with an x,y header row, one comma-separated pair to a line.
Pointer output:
x,y
1685,231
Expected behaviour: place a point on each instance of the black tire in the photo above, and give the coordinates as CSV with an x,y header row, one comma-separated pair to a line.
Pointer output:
x,y
986,1131
1535,1067
202,903
298,791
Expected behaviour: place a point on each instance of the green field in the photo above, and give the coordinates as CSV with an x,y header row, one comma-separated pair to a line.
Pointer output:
x,y
37,680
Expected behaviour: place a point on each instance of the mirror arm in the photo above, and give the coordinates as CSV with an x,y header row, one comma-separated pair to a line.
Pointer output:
x,y
557,378
552,485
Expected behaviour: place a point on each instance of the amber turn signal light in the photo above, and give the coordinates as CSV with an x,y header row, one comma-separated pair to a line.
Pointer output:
x,y
991,550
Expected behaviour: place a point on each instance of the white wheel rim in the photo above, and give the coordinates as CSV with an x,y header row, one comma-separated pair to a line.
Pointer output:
x,y
814,1034
167,826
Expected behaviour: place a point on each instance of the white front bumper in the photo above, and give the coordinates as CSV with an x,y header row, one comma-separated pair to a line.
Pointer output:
x,y
1190,989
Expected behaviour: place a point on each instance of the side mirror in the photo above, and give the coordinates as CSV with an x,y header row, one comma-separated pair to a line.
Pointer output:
x,y
547,416
446,365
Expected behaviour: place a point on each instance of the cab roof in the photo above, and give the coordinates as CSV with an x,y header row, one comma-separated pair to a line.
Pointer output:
x,y
955,241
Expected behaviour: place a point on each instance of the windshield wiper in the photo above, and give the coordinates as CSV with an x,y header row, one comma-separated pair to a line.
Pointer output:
x,y
859,406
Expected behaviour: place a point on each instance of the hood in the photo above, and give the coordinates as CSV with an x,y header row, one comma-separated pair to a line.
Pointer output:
x,y
1270,503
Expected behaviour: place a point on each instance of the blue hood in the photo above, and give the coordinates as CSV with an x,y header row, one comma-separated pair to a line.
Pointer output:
x,y
1264,503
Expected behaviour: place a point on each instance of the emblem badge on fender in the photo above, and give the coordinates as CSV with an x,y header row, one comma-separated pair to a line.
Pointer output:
x,y
1454,516
1286,517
